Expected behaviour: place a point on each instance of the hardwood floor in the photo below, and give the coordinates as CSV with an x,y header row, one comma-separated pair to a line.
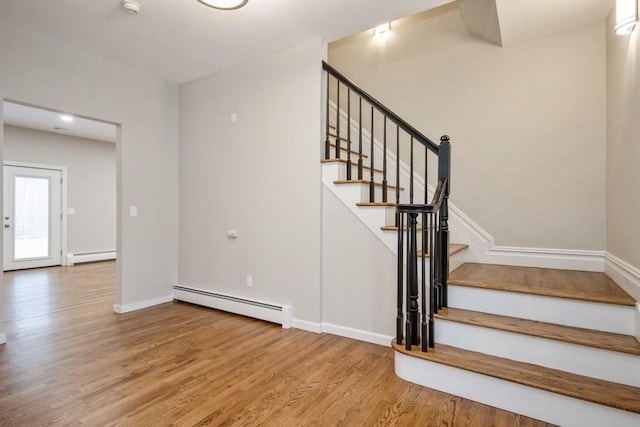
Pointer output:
x,y
70,360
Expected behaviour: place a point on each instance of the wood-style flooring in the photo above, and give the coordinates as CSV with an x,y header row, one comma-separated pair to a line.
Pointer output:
x,y
70,360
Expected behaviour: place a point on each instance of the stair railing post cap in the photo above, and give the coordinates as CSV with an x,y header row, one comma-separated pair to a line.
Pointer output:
x,y
445,139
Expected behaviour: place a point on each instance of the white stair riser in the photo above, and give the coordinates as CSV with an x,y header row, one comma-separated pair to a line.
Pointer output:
x,y
528,401
581,314
588,361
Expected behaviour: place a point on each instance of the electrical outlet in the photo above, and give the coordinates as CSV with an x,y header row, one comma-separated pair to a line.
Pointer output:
x,y
249,281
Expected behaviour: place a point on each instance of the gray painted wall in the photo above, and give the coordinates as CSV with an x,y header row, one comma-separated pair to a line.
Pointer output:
x,y
259,175
623,145
91,181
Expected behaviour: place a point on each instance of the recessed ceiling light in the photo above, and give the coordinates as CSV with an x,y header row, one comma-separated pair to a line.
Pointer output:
x,y
224,4
382,28
66,118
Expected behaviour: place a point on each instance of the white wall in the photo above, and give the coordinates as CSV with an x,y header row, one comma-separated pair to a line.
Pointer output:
x,y
91,181
623,151
259,175
45,72
527,121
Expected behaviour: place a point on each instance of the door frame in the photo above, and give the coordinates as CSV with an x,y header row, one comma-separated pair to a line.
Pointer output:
x,y
63,202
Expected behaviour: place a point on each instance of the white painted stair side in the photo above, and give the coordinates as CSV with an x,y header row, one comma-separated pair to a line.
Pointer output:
x,y
606,365
580,314
372,217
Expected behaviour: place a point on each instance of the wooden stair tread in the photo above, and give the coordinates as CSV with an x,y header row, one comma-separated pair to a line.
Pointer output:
x,y
364,181
454,248
578,285
353,152
586,337
602,392
354,164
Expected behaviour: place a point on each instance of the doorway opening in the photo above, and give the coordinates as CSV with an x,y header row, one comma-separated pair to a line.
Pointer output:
x,y
63,214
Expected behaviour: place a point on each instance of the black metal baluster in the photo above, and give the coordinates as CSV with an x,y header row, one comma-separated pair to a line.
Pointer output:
x,y
408,333
349,164
444,172
432,292
400,314
372,184
384,163
436,268
327,142
412,309
426,176
397,165
338,122
360,139
425,333
411,174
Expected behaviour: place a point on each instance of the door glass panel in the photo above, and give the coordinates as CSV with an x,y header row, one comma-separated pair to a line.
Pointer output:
x,y
31,218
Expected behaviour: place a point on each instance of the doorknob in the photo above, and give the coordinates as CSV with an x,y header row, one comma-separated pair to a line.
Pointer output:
x,y
7,226
6,218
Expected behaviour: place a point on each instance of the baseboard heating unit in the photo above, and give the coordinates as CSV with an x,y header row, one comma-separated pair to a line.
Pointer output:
x,y
280,314
79,258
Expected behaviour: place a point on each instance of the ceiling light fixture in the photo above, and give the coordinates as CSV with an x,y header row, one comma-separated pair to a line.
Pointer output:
x,y
224,4
131,7
66,118
382,28
626,16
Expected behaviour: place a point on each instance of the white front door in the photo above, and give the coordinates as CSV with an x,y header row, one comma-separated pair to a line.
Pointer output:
x,y
32,217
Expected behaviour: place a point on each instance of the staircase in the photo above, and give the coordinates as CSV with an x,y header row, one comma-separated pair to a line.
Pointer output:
x,y
554,345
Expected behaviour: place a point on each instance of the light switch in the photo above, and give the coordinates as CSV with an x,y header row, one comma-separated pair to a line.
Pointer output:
x,y
71,211
133,210
233,234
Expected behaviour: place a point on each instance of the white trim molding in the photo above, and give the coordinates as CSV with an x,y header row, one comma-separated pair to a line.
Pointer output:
x,y
126,308
624,274
3,339
305,325
357,334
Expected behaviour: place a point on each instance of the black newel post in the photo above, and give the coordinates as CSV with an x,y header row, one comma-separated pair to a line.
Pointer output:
x,y
444,172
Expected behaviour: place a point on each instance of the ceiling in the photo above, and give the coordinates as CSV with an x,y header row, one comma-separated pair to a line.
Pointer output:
x,y
181,40
508,22
46,120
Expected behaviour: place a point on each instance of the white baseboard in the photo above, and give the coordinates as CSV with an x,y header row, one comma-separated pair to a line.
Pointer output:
x,y
90,257
624,274
126,308
357,334
307,326
3,339
565,259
